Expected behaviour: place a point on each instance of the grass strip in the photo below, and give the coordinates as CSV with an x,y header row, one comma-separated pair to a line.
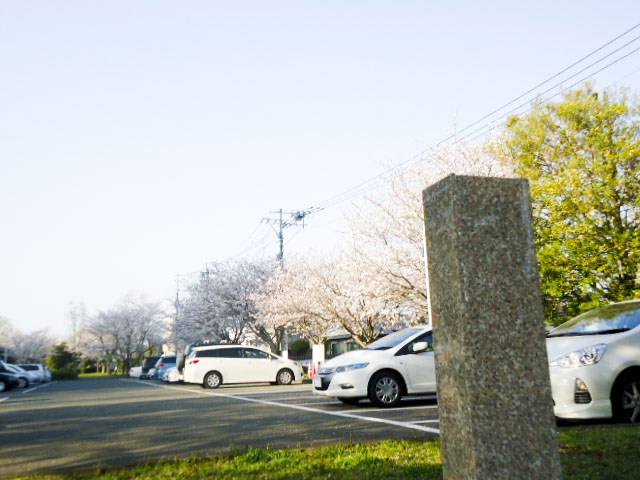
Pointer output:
x,y
98,376
587,452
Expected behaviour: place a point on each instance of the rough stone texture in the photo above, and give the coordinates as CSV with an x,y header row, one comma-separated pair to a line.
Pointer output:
x,y
494,394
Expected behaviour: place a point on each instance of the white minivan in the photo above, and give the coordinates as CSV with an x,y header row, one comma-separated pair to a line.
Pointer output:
x,y
213,365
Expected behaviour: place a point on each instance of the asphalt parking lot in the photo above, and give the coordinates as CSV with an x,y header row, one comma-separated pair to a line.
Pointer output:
x,y
83,425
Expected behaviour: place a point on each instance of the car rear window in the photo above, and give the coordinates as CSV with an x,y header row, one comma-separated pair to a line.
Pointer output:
x,y
150,361
30,368
207,353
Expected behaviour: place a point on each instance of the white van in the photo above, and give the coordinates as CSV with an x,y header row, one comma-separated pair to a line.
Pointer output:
x,y
213,365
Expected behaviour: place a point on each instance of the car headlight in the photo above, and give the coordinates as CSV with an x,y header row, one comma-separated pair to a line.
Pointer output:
x,y
580,358
354,366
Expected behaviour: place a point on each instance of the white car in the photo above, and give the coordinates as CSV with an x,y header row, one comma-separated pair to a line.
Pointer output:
x,y
171,375
135,372
594,363
213,365
398,364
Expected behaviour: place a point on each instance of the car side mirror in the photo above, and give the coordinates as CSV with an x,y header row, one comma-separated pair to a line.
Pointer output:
x,y
420,347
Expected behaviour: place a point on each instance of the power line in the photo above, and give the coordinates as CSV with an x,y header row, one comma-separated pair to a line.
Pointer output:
x,y
564,70
565,88
555,94
372,182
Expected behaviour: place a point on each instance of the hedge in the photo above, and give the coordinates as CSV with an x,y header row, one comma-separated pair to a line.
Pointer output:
x,y
65,374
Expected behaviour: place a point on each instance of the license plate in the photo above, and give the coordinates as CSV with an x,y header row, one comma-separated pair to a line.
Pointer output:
x,y
317,382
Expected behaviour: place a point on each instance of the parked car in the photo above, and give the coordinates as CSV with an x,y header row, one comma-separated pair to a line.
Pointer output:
x,y
37,368
147,365
48,374
171,375
396,365
134,372
8,380
163,363
595,364
25,377
213,365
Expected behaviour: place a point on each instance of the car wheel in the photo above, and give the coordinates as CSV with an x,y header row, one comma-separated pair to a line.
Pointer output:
x,y
625,400
23,382
385,389
349,400
3,386
285,377
212,380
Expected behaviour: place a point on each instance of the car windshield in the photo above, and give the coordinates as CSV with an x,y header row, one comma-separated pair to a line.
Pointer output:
x,y
605,320
393,339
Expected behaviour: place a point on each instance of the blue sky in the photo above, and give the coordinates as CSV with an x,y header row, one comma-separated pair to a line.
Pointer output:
x,y
139,140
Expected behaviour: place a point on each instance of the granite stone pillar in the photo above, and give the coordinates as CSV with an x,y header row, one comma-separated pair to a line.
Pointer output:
x,y
494,394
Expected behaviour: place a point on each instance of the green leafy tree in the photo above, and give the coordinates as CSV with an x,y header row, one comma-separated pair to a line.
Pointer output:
x,y
581,156
61,358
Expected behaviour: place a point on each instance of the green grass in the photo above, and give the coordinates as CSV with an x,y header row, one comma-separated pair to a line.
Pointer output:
x,y
600,452
97,376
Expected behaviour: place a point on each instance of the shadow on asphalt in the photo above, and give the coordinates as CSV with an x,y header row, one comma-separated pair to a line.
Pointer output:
x,y
563,423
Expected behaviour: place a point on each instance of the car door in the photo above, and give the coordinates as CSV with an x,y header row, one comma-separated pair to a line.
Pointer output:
x,y
420,367
233,366
261,365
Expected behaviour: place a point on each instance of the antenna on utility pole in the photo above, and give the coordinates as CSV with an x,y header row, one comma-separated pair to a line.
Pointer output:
x,y
295,219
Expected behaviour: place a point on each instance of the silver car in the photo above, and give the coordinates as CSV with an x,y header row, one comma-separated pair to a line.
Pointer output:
x,y
25,377
43,372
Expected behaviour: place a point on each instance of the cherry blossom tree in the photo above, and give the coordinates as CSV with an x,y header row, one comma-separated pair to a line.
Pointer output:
x,y
77,318
127,331
220,307
290,301
378,281
29,347
315,297
386,229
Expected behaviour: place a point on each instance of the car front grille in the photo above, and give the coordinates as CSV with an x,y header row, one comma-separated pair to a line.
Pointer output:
x,y
325,381
582,397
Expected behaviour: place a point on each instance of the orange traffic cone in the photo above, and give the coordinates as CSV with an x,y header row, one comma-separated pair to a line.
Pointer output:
x,y
312,369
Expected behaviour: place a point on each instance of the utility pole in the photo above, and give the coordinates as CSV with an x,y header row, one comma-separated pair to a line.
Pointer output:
x,y
295,219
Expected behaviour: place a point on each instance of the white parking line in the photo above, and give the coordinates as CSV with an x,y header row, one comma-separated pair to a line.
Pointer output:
x,y
39,386
385,410
299,397
295,407
427,421
320,403
3,399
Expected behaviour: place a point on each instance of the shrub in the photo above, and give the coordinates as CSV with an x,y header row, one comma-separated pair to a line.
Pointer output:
x,y
61,358
89,365
65,374
299,347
